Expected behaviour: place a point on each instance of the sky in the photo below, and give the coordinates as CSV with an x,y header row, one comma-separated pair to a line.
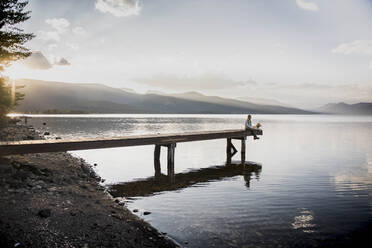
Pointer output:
x,y
303,53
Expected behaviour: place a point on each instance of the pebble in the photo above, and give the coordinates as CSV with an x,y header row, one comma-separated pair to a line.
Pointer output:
x,y
51,189
146,213
45,213
135,210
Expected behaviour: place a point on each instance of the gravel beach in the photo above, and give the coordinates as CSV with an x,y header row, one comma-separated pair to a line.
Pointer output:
x,y
55,200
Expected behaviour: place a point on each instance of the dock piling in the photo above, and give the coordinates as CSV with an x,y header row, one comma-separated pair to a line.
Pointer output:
x,y
171,152
157,161
228,151
243,151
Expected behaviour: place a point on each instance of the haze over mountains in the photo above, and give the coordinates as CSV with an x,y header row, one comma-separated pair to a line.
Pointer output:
x,y
363,108
42,96
49,97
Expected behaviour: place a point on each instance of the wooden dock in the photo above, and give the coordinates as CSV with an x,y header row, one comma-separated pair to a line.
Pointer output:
x,y
167,140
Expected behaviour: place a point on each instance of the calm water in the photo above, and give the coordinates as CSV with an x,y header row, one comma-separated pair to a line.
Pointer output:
x,y
314,188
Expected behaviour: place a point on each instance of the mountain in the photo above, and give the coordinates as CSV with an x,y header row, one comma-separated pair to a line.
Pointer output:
x,y
263,101
41,96
195,96
363,108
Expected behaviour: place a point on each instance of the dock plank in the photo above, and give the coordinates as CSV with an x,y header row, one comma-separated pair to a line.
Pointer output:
x,y
41,146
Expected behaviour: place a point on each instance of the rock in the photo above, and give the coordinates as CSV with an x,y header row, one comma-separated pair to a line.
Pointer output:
x,y
16,165
45,213
82,175
146,213
95,164
21,175
46,133
116,216
135,210
30,184
83,186
101,188
58,138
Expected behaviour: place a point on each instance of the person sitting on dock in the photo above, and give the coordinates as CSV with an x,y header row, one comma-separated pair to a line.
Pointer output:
x,y
248,126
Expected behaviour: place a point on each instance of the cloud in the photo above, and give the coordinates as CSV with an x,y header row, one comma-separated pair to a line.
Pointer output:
x,y
61,61
201,82
303,4
72,46
60,25
119,8
37,60
355,47
48,35
52,46
79,31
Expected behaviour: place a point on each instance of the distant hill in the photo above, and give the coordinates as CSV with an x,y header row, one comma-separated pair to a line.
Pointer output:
x,y
363,108
44,96
263,101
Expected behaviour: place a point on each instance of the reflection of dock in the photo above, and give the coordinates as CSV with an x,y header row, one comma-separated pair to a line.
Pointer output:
x,y
159,140
160,183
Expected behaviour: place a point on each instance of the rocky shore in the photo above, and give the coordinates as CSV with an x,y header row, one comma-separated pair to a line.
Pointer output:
x,y
55,200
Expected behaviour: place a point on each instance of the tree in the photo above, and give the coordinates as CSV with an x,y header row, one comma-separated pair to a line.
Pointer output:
x,y
8,98
12,40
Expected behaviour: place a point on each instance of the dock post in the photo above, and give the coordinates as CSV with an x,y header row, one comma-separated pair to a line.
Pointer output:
x,y
228,151
171,151
157,161
243,151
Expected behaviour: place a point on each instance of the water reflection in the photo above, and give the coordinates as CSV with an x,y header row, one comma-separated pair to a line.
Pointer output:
x,y
160,183
315,190
356,178
304,221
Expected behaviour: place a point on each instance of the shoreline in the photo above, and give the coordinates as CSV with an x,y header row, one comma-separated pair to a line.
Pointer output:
x,y
55,200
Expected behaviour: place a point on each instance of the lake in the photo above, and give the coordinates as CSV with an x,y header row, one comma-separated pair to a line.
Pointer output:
x,y
310,184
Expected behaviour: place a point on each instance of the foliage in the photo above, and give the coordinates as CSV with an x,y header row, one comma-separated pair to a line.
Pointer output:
x,y
12,39
7,99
